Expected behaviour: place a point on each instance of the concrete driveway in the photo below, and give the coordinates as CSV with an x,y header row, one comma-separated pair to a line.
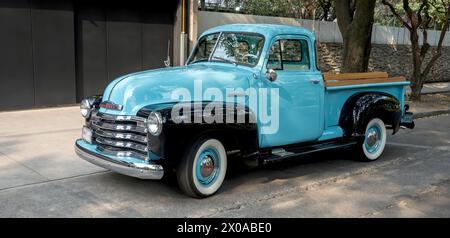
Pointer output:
x,y
40,176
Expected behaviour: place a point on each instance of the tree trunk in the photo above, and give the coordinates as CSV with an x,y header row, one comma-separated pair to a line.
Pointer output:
x,y
356,29
416,92
417,77
357,48
203,5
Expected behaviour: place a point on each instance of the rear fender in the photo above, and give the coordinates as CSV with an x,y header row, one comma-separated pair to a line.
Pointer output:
x,y
361,108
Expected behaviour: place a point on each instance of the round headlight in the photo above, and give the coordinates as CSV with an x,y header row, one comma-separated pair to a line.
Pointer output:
x,y
85,108
154,123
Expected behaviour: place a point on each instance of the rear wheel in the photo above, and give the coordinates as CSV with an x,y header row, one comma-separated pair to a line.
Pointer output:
x,y
203,167
374,142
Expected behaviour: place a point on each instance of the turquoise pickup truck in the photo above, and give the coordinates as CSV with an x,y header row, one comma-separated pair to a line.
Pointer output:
x,y
253,91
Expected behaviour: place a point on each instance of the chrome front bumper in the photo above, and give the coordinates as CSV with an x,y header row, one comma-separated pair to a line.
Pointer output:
x,y
142,170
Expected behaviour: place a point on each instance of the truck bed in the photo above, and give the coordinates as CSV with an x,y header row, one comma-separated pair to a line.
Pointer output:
x,y
340,87
347,79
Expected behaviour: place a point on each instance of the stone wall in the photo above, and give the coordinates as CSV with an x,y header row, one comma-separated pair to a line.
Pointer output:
x,y
394,59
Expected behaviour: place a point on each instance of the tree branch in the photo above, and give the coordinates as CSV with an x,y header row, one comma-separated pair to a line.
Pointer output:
x,y
441,41
391,7
425,25
408,9
422,6
411,15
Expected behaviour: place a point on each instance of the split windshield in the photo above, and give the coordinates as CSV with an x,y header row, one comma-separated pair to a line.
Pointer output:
x,y
233,48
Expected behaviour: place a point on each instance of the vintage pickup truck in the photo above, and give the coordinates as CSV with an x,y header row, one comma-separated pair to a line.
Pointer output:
x,y
251,90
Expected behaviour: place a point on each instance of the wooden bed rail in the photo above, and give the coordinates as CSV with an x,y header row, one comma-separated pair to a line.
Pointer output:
x,y
345,79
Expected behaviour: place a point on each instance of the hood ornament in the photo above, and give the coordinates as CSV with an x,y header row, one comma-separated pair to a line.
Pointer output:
x,y
111,106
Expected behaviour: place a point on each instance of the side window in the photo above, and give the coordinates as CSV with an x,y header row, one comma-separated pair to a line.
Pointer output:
x,y
289,55
275,61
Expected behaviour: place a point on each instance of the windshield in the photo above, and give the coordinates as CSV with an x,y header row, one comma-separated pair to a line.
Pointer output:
x,y
233,48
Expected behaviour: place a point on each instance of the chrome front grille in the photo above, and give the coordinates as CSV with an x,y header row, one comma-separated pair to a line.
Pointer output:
x,y
119,127
122,136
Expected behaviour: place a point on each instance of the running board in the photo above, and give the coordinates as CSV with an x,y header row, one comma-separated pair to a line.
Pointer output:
x,y
281,154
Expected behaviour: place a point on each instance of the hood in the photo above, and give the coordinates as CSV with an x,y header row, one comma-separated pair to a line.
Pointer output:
x,y
137,90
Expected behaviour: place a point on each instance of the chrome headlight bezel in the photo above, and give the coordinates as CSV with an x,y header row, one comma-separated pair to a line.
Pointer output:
x,y
154,123
85,108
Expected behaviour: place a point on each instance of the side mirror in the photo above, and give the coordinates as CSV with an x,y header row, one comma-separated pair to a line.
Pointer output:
x,y
271,75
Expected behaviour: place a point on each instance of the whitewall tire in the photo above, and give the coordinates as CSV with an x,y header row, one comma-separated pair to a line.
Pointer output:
x,y
374,140
203,168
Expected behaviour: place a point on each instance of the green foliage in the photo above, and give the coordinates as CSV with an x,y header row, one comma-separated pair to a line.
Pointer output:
x,y
323,9
435,10
305,9
268,7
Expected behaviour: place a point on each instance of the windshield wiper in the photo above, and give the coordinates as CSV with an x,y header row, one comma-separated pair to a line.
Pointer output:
x,y
225,60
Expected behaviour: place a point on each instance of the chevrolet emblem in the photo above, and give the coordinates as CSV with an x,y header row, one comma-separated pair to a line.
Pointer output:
x,y
111,106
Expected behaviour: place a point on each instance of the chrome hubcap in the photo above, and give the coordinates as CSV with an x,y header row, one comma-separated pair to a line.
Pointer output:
x,y
207,166
372,138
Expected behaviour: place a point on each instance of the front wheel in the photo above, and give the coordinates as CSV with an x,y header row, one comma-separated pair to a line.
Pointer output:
x,y
374,142
202,169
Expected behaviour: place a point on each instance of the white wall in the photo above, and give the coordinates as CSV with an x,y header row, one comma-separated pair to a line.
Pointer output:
x,y
325,31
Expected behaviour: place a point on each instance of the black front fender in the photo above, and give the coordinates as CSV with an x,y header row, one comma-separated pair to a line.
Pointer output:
x,y
242,136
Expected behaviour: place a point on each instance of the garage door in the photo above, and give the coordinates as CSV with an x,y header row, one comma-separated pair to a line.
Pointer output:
x,y
37,63
114,40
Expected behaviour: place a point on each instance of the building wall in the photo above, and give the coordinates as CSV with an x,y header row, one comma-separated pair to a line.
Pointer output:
x,y
395,59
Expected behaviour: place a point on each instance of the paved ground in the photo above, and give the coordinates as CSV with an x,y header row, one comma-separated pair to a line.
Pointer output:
x,y
434,87
435,100
40,176
431,104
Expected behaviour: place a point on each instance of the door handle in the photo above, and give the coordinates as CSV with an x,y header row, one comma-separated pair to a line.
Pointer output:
x,y
315,81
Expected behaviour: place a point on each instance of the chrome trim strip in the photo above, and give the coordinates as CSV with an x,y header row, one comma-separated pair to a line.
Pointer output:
x,y
119,118
138,170
121,136
122,144
121,153
119,127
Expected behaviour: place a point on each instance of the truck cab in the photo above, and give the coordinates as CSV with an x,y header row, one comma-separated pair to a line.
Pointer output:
x,y
252,90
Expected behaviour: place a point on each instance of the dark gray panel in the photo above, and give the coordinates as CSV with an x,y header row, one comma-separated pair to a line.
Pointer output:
x,y
124,42
53,52
116,39
157,31
16,69
91,50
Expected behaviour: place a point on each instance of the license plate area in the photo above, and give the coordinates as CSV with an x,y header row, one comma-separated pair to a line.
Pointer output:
x,y
407,117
